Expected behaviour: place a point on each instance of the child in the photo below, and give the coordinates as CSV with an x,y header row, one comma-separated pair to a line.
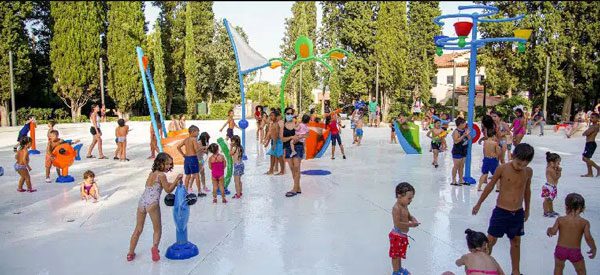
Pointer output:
x,y
518,127
571,228
301,130
334,131
237,151
403,221
230,123
53,141
509,217
359,129
478,260
24,131
549,190
89,188
460,137
191,164
121,134
491,151
51,125
590,146
174,124
149,203
436,141
22,165
274,136
182,122
203,143
154,139
217,166
393,132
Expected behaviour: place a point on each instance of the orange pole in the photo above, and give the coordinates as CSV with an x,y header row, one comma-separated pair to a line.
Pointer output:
x,y
32,130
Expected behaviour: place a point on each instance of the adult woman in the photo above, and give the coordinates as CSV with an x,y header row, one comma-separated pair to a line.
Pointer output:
x,y
294,162
96,133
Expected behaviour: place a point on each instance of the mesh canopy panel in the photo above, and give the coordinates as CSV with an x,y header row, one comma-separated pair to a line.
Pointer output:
x,y
247,56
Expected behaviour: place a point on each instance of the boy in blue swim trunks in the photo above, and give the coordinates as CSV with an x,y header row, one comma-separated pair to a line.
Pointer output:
x,y
191,165
230,123
509,217
491,151
359,129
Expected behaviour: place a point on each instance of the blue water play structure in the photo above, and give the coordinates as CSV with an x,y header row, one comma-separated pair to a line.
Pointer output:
x,y
182,248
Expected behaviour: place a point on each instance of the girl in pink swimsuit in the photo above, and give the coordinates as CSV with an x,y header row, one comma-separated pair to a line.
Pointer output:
x,y
478,261
217,168
149,203
518,127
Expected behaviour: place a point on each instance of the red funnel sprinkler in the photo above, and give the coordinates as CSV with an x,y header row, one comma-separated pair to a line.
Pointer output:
x,y
462,29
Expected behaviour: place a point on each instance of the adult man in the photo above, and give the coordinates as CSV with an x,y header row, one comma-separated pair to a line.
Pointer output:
x,y
538,118
372,112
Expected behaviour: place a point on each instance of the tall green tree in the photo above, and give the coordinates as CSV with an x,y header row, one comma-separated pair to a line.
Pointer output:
x,y
13,16
74,51
328,38
156,48
198,37
303,78
125,33
422,29
391,51
225,84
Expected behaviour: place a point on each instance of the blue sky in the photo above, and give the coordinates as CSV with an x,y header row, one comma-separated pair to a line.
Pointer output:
x,y
264,22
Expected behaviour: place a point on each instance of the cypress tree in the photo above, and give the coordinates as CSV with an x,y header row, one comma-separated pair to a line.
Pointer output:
x,y
328,39
14,38
125,33
74,51
199,32
159,72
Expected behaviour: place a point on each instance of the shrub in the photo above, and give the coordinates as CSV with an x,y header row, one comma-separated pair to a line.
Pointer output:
x,y
41,114
219,110
505,108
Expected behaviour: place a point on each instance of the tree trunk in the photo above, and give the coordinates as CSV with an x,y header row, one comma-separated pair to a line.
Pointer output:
x,y
75,111
4,118
566,110
169,102
509,93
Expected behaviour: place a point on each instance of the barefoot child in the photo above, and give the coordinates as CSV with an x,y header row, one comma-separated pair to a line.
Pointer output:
x,y
478,260
301,130
217,168
460,137
436,141
590,146
274,136
150,203
491,151
203,142
509,217
182,122
121,133
334,131
174,124
237,151
191,165
549,190
403,221
230,123
393,132
359,129
154,139
24,131
22,165
89,188
571,228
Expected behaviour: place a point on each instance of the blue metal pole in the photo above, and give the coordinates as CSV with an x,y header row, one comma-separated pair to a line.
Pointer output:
x,y
471,113
243,123
157,102
140,54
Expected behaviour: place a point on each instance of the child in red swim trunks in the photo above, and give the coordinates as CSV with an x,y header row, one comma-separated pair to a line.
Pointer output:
x,y
571,228
403,221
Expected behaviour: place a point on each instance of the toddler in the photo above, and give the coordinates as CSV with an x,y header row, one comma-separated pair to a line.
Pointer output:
x,y
89,188
491,151
22,165
549,190
301,130
436,141
478,260
121,137
403,221
571,228
149,203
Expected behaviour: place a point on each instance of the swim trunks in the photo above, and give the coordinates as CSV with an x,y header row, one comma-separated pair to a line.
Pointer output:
x,y
511,223
238,169
549,191
565,253
398,244
229,133
489,165
190,165
276,148
590,148
335,138
359,132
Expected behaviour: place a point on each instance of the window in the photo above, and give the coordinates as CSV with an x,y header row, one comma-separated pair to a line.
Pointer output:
x,y
464,80
449,79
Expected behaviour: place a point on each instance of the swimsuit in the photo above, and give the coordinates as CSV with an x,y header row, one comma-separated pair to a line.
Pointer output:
x,y
20,167
398,244
511,223
238,169
335,133
298,146
121,139
590,148
359,132
190,165
150,196
549,191
459,150
218,170
518,128
229,133
276,148
564,253
489,165
87,188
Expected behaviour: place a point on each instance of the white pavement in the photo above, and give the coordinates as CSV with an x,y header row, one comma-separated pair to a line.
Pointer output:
x,y
339,225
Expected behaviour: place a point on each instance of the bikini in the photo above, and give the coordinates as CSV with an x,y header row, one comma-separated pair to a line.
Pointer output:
x,y
20,167
87,188
121,139
150,196
218,170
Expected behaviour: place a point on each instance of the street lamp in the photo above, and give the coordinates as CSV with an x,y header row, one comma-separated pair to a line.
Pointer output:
x,y
462,31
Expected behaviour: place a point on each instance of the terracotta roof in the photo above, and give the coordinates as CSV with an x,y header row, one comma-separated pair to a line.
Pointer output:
x,y
465,89
445,61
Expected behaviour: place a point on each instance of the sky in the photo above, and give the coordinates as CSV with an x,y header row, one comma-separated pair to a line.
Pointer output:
x,y
264,23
